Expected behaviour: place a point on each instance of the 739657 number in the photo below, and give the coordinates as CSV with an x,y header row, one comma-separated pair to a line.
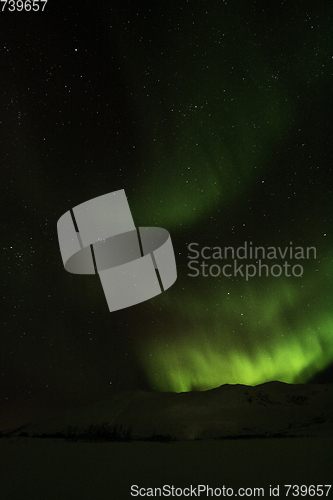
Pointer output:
x,y
312,491
27,5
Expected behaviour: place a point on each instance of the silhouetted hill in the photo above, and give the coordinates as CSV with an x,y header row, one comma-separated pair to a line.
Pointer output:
x,y
230,411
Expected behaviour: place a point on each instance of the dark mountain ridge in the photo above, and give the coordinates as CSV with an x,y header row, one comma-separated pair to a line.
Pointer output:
x,y
272,409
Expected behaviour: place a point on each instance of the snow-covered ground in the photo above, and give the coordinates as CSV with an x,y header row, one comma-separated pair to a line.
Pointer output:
x,y
55,469
233,436
271,409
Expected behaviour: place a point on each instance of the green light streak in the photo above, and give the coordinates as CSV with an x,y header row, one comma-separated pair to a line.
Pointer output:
x,y
253,335
226,128
182,366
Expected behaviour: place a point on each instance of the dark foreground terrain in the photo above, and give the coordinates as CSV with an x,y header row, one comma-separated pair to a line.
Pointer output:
x,y
235,436
56,469
273,409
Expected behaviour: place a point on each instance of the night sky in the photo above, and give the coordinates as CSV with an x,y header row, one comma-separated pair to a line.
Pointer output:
x,y
215,118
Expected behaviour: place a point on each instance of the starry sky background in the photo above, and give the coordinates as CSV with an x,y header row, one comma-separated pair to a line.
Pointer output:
x,y
215,119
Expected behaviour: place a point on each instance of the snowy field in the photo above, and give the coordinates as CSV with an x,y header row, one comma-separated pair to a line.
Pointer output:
x,y
46,468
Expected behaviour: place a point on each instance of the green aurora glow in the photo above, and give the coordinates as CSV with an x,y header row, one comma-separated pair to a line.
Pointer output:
x,y
224,115
223,112
250,336
215,118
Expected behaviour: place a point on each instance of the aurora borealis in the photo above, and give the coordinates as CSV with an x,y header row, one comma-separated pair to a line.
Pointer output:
x,y
215,118
250,338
